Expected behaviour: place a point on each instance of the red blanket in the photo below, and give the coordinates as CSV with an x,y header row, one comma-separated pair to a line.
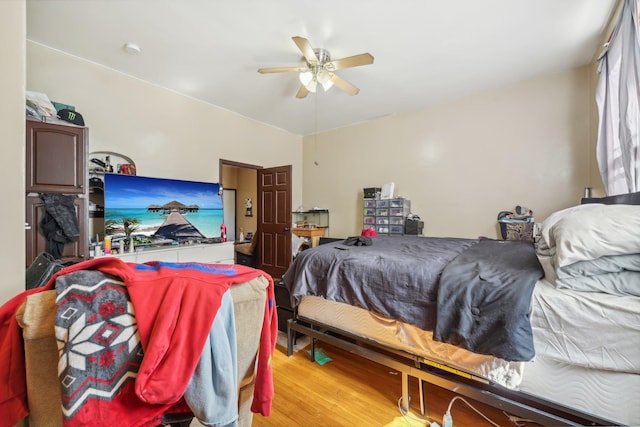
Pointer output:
x,y
161,294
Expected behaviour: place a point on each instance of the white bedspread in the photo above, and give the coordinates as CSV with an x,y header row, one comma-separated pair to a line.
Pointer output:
x,y
590,329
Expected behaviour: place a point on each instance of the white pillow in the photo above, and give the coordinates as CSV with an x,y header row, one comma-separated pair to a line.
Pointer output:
x,y
544,243
595,231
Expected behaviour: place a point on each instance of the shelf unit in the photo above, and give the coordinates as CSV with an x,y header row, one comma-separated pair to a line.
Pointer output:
x,y
113,163
386,216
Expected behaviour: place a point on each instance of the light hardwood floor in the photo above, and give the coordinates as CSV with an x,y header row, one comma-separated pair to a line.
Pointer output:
x,y
352,391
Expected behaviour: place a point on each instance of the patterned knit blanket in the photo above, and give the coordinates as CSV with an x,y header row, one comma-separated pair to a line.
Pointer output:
x,y
99,352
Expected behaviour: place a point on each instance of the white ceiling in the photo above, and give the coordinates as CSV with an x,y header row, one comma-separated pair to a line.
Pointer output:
x,y
426,51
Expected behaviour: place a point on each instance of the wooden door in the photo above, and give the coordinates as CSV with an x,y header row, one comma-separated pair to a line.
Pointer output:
x,y
56,158
274,221
36,241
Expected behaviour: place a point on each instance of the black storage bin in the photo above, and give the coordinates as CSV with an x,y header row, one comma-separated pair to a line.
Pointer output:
x,y
283,307
413,227
370,193
283,318
249,261
283,298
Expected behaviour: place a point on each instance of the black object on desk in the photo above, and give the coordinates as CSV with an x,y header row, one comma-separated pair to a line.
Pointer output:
x,y
412,226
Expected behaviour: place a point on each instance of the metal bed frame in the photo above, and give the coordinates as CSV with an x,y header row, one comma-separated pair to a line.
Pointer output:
x,y
453,379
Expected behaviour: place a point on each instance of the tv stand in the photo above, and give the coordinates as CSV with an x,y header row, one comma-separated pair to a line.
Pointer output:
x,y
214,253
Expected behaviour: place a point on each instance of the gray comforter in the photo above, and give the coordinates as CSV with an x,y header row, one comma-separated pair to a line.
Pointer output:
x,y
471,293
484,299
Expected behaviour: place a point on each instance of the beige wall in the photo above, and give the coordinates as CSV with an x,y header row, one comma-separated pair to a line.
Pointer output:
x,y
167,135
463,161
12,161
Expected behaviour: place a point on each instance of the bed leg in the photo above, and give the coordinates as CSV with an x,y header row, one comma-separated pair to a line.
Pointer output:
x,y
290,334
421,393
313,349
405,391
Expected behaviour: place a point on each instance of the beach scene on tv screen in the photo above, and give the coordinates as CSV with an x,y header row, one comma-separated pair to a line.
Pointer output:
x,y
160,211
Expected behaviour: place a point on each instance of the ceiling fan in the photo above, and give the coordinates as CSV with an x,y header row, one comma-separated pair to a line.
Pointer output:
x,y
320,68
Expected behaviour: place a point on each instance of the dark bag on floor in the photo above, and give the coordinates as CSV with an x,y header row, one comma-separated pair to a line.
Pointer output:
x,y
41,270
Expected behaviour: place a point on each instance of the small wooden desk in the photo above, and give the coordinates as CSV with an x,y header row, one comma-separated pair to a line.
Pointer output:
x,y
313,233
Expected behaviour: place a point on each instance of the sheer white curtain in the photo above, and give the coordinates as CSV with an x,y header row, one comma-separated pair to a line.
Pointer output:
x,y
618,100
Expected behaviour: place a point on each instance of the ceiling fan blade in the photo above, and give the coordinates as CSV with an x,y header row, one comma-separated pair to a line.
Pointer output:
x,y
353,61
306,49
344,85
302,92
281,69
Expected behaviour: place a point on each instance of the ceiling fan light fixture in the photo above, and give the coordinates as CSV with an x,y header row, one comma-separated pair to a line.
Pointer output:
x,y
320,68
324,78
312,85
306,77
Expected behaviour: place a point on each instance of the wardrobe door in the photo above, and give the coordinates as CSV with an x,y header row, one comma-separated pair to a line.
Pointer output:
x,y
56,158
37,242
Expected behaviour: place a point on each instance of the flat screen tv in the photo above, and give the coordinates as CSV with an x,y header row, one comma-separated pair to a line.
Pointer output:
x,y
160,211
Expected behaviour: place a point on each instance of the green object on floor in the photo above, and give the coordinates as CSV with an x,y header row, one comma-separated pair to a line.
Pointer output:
x,y
320,357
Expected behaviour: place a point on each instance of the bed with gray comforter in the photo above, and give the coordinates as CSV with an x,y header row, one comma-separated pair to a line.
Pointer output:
x,y
473,293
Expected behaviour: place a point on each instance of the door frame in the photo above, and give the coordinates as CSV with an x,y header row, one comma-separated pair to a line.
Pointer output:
x,y
232,163
257,210
230,195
